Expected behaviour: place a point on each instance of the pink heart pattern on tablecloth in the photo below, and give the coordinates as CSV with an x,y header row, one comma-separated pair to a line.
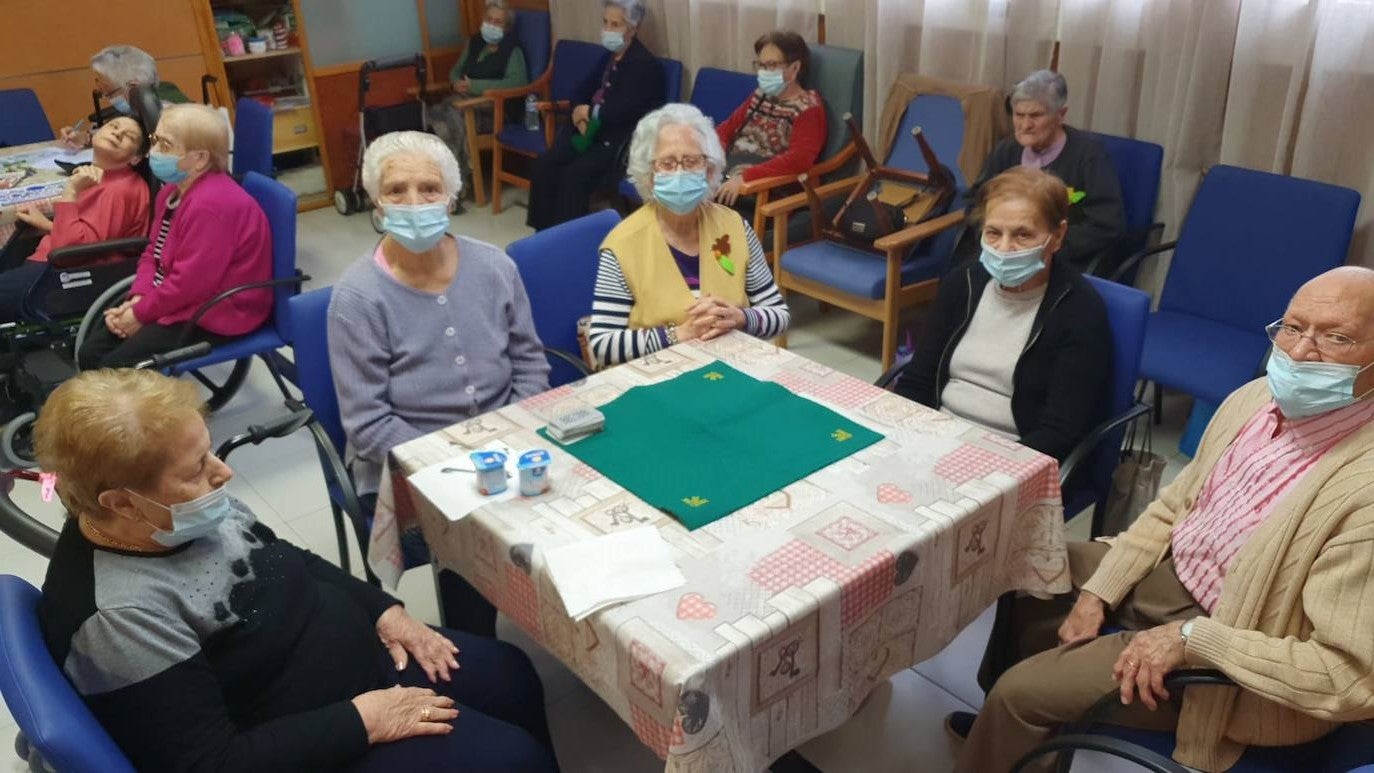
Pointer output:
x,y
692,606
890,494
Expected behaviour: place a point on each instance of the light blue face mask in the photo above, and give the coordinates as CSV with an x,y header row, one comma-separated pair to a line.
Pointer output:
x,y
680,192
193,519
771,82
493,33
1304,389
613,40
121,103
167,168
1013,269
417,227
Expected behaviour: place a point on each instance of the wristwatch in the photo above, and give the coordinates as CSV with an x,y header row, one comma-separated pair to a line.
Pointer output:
x,y
1186,630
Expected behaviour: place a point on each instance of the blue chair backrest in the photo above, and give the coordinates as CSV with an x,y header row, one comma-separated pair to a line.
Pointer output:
x,y
1269,232
22,119
573,62
717,93
310,344
48,711
838,74
1138,168
278,202
941,119
252,138
558,268
672,80
1128,311
533,30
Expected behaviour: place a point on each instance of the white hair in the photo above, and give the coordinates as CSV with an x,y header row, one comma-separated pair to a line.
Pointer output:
x,y
644,145
421,143
1045,87
634,10
505,8
122,65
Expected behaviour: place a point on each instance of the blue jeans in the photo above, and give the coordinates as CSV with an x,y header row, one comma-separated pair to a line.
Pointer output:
x,y
500,725
14,284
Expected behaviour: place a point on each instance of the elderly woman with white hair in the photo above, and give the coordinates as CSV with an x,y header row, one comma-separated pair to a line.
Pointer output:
x,y
682,267
1042,140
116,68
620,90
426,330
208,236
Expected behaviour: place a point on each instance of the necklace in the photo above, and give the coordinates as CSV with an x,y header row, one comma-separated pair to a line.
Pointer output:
x,y
111,540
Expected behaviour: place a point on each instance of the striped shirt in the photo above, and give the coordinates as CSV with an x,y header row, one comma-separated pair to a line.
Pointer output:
x,y
613,342
1267,459
163,229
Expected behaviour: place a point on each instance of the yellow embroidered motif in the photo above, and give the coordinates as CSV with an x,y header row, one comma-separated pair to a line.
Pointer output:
x,y
840,435
695,501
1076,196
714,376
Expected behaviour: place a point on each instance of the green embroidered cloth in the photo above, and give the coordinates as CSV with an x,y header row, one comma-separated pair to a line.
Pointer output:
x,y
705,444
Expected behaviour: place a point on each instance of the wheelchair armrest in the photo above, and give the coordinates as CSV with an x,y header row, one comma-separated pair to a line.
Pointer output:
x,y
257,433
22,527
1089,443
1105,744
1132,261
298,279
574,361
160,361
77,254
1185,677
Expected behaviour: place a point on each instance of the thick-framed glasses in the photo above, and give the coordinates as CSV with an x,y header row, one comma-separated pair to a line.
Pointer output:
x,y
770,66
670,164
1286,335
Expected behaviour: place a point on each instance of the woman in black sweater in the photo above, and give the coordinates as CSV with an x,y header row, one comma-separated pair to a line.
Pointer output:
x,y
1029,355
622,89
201,641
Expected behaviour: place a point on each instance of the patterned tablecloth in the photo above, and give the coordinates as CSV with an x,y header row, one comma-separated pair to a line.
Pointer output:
x,y
21,182
795,606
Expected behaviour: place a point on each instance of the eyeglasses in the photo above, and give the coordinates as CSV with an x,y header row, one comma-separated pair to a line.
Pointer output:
x,y
668,165
1286,335
770,66
162,144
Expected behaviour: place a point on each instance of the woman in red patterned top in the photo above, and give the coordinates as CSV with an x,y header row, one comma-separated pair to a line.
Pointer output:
x,y
781,128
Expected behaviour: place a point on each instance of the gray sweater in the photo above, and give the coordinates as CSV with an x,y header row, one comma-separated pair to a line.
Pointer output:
x,y
407,363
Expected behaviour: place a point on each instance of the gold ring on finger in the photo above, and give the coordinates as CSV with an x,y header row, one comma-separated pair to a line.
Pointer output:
x,y
424,714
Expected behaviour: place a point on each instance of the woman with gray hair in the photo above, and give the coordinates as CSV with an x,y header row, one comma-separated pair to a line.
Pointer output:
x,y
116,68
618,92
426,330
1041,140
681,267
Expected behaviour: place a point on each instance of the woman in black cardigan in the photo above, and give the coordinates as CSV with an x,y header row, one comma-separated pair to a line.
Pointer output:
x,y
621,90
1029,355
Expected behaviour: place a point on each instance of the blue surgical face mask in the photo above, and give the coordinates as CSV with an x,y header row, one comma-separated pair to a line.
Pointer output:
x,y
771,82
193,519
121,103
1304,389
417,227
493,33
613,40
681,191
1013,269
167,168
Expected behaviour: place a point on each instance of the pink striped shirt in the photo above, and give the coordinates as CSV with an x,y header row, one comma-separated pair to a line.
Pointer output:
x,y
1265,461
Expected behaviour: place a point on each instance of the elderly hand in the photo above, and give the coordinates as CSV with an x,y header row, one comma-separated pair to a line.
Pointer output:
x,y
1145,662
121,320
580,115
1084,621
33,216
400,633
74,139
462,86
404,712
714,317
82,177
729,190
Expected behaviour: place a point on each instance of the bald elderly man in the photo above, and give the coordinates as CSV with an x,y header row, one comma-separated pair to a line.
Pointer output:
x,y
1257,560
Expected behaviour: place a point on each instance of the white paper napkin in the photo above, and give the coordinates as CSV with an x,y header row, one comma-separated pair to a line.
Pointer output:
x,y
598,572
451,485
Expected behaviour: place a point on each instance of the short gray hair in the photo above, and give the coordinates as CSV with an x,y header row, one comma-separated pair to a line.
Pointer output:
x,y
640,168
1044,86
634,10
421,143
122,65
501,5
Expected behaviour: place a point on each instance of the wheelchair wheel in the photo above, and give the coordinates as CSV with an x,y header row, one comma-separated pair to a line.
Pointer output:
x,y
346,201
222,393
95,315
16,442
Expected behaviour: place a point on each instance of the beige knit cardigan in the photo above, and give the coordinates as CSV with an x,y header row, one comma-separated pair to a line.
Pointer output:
x,y
1294,626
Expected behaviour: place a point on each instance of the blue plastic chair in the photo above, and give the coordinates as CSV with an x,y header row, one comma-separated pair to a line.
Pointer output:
x,y
558,268
55,724
22,120
252,139
1265,234
1138,166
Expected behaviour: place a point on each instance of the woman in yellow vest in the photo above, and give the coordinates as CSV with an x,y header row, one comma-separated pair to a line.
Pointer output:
x,y
681,267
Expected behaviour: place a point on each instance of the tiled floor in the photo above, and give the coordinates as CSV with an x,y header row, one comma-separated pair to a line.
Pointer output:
x,y
898,729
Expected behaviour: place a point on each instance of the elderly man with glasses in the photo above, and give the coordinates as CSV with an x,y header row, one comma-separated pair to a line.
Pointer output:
x,y
1257,561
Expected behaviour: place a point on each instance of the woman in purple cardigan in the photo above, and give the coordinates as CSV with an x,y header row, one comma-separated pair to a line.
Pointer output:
x,y
208,235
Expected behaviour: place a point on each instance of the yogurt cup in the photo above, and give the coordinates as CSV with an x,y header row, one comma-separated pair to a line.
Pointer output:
x,y
491,471
534,472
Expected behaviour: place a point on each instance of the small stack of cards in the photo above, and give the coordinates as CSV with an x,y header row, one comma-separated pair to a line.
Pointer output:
x,y
575,425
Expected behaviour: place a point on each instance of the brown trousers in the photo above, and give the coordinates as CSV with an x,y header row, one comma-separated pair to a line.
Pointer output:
x,y
1037,685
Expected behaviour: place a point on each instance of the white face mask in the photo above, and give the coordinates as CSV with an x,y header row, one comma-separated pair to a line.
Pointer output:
x,y
193,519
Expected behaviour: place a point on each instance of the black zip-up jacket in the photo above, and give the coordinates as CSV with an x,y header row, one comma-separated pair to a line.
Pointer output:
x,y
1061,380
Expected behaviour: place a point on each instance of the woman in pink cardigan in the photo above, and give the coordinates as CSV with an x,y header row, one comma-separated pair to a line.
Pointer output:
x,y
208,236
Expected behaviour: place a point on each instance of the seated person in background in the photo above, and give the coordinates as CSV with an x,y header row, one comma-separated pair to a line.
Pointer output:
x,y
208,235
1017,342
492,61
426,330
682,266
202,641
628,84
116,68
1043,141
1258,561
107,200
780,129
